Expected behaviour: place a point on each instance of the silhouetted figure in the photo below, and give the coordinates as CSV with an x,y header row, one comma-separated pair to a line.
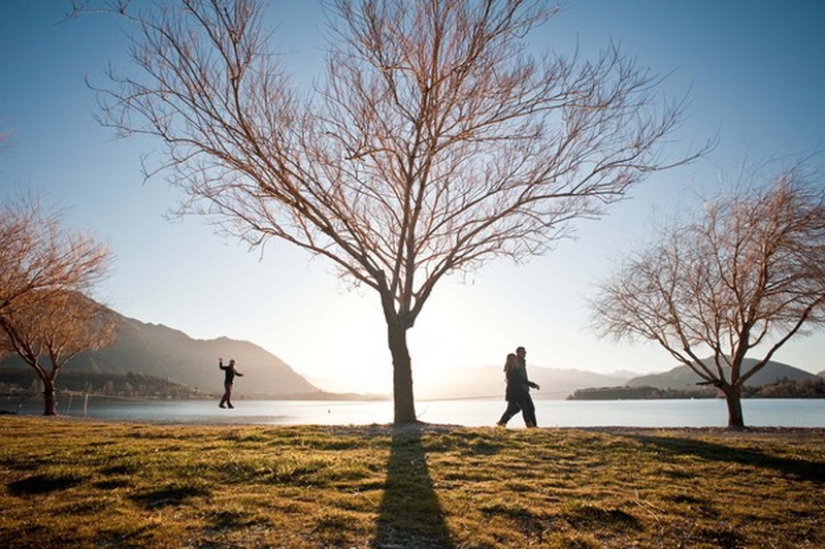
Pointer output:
x,y
230,373
518,390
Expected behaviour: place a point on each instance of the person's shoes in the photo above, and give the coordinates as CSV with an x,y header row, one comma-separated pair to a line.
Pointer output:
x,y
531,425
501,424
221,406
234,407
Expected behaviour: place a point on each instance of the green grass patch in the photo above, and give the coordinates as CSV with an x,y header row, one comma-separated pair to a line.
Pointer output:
x,y
86,484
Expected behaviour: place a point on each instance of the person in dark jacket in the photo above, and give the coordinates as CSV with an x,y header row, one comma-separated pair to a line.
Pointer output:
x,y
518,390
229,380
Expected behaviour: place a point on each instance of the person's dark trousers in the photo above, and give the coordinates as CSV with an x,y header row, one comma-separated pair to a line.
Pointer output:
x,y
523,404
528,411
512,409
227,395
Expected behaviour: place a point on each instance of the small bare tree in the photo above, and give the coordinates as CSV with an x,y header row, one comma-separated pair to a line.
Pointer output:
x,y
434,144
44,271
37,254
47,329
749,274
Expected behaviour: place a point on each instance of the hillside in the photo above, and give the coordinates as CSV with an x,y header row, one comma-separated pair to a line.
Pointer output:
x,y
488,381
162,352
168,354
682,377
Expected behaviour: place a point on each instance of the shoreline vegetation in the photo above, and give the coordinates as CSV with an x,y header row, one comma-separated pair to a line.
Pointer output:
x,y
782,388
125,484
23,383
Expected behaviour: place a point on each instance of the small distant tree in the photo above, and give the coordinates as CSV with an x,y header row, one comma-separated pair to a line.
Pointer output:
x,y
47,329
750,273
37,253
44,271
433,144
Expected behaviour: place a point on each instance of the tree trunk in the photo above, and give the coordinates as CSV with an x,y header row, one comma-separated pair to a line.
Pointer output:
x,y
733,398
49,398
402,383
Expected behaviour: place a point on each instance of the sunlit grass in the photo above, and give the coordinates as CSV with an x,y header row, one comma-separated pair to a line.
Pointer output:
x,y
76,483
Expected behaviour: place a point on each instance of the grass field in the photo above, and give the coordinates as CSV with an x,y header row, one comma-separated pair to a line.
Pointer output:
x,y
85,484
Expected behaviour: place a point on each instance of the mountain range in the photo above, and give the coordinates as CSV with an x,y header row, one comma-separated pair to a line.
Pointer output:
x,y
683,377
559,383
159,351
166,353
488,381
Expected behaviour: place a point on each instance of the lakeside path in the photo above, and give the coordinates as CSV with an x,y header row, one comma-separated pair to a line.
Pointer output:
x,y
84,484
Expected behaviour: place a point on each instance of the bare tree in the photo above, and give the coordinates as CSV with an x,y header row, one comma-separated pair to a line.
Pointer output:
x,y
748,276
37,254
47,329
434,143
44,271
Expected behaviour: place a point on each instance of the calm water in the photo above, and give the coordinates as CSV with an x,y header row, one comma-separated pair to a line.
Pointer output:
x,y
471,413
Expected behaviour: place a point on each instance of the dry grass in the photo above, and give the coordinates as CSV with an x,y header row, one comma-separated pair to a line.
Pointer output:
x,y
83,484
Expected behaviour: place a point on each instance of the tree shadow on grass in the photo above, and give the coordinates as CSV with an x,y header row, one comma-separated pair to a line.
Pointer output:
x,y
44,483
170,495
801,469
410,514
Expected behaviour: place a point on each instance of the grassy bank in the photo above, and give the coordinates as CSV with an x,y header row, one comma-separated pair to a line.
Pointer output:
x,y
75,483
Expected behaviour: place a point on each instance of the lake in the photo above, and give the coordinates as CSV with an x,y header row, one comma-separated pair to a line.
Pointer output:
x,y
467,412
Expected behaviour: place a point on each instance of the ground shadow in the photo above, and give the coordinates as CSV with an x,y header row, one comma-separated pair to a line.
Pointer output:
x,y
410,514
44,484
801,469
169,495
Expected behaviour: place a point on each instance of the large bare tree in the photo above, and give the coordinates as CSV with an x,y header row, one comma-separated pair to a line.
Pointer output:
x,y
745,278
433,143
44,271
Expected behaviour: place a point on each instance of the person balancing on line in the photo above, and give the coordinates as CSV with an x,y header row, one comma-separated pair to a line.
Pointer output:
x,y
230,372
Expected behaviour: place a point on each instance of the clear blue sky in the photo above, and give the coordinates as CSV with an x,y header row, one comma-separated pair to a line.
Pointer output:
x,y
755,74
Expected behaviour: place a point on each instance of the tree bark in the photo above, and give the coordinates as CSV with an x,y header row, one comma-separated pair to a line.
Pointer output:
x,y
402,374
733,398
49,398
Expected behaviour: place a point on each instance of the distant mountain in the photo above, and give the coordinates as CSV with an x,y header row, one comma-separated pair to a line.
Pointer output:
x,y
487,381
821,374
162,352
166,353
682,377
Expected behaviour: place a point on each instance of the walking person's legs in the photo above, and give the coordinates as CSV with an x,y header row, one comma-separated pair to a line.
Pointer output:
x,y
528,410
512,409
